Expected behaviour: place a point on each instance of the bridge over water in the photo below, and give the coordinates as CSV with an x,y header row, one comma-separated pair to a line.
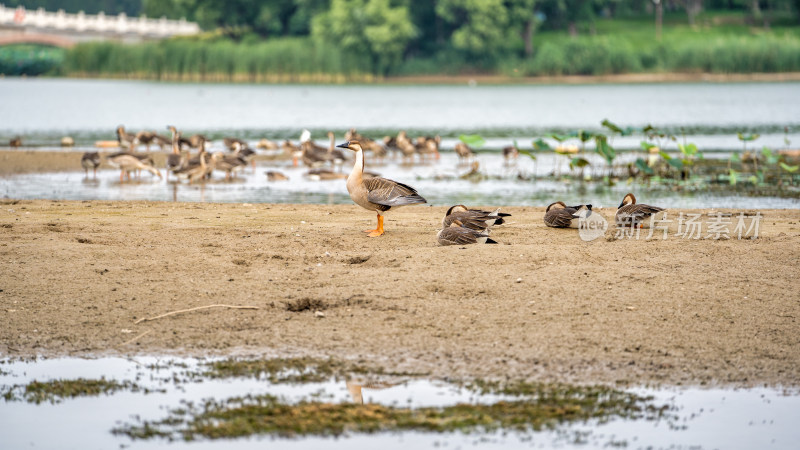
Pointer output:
x,y
18,25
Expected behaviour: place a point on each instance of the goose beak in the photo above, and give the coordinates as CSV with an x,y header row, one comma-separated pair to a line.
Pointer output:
x,y
620,205
345,145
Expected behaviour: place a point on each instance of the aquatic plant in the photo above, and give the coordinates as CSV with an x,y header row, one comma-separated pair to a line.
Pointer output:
x,y
537,407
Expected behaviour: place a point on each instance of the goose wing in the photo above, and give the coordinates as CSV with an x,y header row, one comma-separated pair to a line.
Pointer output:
x,y
559,218
472,220
457,236
383,191
638,210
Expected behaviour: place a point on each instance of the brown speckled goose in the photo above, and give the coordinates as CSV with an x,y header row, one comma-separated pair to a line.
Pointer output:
x,y
456,234
377,194
473,219
559,215
632,214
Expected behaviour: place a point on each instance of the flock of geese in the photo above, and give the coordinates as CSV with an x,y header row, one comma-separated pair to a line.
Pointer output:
x,y
324,163
462,225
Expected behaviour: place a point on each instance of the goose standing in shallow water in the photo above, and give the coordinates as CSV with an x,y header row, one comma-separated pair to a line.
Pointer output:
x,y
127,163
175,160
90,160
631,214
559,215
376,194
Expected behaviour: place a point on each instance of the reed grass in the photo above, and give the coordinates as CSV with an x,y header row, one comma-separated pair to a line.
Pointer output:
x,y
275,60
302,60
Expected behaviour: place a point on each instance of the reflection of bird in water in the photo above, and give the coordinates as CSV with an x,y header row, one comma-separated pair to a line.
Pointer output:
x,y
376,194
631,214
324,175
474,173
273,175
354,387
559,215
90,160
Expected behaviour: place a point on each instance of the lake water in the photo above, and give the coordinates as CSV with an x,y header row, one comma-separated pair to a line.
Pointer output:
x,y
710,114
45,105
699,418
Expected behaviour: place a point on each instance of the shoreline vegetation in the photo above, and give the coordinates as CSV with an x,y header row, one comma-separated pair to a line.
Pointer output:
x,y
717,46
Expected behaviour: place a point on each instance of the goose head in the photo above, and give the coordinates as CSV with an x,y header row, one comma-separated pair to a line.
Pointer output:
x,y
628,200
556,205
455,209
351,145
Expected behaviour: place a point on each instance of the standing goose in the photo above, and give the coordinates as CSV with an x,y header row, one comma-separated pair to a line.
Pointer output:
x,y
463,151
376,194
15,142
456,234
125,140
127,163
631,214
510,153
90,160
559,215
473,219
175,160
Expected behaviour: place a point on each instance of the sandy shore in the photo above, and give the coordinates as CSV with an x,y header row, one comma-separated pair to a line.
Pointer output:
x,y
75,276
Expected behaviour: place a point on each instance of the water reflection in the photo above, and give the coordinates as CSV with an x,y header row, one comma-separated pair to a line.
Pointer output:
x,y
706,418
355,387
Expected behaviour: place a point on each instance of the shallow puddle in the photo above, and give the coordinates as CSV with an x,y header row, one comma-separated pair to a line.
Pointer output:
x,y
170,393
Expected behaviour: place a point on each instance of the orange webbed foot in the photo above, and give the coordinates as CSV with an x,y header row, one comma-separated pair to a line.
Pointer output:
x,y
376,233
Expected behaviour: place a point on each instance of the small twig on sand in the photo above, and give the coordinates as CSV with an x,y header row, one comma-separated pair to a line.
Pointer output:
x,y
134,339
147,319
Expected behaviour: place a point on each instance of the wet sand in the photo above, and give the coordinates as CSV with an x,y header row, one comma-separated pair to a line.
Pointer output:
x,y
543,304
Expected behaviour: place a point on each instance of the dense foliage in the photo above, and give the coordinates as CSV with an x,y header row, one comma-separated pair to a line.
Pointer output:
x,y
358,39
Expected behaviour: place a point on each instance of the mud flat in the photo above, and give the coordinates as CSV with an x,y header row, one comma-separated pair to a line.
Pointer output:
x,y
542,305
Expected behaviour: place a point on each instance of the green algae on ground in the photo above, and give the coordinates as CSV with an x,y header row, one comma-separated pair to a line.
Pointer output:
x,y
291,370
266,414
55,391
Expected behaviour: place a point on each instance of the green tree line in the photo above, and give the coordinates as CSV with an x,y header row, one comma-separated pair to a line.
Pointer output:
x,y
351,39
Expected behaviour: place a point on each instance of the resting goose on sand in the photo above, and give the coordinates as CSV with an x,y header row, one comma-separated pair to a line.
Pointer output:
x,y
559,215
632,214
376,194
473,219
456,234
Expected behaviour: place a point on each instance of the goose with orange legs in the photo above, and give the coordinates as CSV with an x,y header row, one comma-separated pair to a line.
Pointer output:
x,y
377,194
